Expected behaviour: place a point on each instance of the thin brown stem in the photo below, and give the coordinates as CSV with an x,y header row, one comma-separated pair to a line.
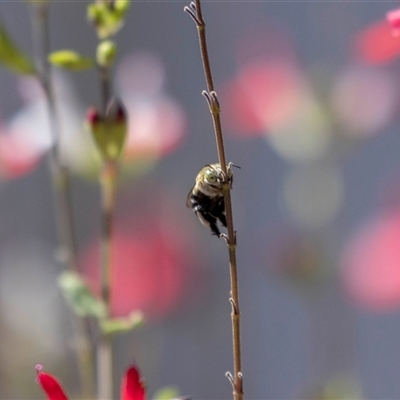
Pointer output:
x,y
194,10
62,188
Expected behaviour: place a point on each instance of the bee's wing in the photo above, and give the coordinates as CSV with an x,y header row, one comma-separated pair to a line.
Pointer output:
x,y
188,199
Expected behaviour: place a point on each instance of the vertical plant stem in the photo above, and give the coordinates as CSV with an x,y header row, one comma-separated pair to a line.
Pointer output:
x,y
104,73
194,10
60,172
62,188
108,177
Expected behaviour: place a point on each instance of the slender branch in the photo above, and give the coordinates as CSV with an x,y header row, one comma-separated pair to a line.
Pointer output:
x,y
104,351
60,172
194,10
104,73
61,187
108,177
107,183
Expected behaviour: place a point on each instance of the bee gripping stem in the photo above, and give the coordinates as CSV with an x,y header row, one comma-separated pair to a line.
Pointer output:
x,y
194,10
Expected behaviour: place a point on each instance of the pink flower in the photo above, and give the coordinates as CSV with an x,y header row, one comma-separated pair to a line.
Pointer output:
x,y
370,268
151,272
132,386
376,44
17,156
357,112
156,122
393,18
261,96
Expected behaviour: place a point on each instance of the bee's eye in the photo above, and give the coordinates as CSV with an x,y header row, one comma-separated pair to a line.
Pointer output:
x,y
210,176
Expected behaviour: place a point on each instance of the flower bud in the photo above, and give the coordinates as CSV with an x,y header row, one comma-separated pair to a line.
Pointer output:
x,y
107,17
109,132
106,53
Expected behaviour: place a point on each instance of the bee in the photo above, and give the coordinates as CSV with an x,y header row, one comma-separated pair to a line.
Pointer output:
x,y
206,198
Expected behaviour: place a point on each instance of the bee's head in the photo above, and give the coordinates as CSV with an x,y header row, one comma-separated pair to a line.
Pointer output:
x,y
211,175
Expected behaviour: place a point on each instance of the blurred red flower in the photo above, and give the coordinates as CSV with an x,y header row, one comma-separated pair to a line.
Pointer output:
x,y
17,156
376,43
155,128
370,268
357,112
156,124
260,96
393,17
150,271
132,387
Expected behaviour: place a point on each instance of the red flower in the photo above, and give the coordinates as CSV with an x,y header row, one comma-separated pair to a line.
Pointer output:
x,y
132,387
51,385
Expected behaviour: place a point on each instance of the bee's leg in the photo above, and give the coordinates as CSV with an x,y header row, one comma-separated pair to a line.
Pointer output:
x,y
222,218
208,220
214,229
219,212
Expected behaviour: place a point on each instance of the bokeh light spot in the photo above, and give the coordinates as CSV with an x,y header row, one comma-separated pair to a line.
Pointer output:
x,y
370,268
313,194
376,44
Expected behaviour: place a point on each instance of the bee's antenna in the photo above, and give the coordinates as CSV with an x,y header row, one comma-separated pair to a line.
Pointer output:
x,y
233,165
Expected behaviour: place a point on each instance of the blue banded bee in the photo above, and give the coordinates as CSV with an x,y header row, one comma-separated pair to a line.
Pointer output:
x,y
206,198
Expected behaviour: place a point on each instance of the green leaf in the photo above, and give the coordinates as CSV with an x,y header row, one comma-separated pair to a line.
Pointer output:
x,y
79,296
13,58
122,325
166,393
107,19
70,60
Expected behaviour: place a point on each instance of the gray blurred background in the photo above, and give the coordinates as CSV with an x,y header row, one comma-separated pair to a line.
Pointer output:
x,y
316,202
